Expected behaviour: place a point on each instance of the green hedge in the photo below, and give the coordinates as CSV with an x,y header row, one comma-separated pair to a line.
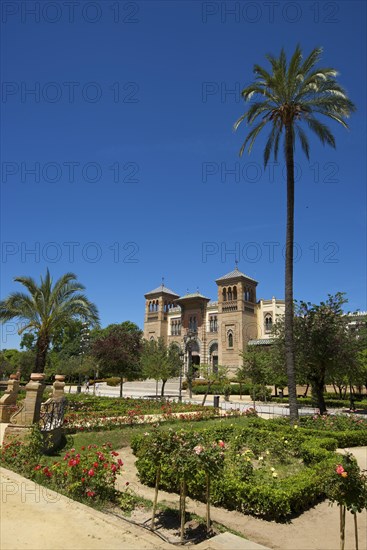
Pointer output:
x,y
247,389
330,403
296,493
268,498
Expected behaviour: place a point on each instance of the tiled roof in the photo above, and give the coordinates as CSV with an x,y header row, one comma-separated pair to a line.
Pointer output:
x,y
261,342
234,275
193,296
164,289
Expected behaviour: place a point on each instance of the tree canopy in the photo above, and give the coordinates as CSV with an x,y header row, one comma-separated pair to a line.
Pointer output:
x,y
47,309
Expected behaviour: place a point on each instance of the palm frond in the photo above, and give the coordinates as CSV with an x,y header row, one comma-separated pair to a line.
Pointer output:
x,y
290,93
272,143
252,136
311,60
303,140
321,130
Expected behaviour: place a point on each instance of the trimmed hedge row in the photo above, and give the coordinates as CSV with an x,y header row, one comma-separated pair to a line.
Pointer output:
x,y
330,403
296,493
271,499
261,392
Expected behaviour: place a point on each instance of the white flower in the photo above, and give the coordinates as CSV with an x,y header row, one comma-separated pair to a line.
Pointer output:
x,y
198,449
275,474
272,469
261,458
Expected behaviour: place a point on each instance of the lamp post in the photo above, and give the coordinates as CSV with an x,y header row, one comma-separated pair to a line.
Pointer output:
x,y
84,341
189,338
182,355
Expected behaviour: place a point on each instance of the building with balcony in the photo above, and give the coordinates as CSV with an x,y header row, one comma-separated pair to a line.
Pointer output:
x,y
220,330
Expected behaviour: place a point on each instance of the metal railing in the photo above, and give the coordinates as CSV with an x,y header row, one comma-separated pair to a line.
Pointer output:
x,y
52,414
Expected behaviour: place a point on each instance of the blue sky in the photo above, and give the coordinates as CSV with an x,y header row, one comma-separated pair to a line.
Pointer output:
x,y
136,173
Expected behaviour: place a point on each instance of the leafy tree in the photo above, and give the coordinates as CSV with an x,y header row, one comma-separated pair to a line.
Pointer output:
x,y
362,366
289,97
256,367
323,344
117,350
13,360
47,309
213,376
159,361
28,341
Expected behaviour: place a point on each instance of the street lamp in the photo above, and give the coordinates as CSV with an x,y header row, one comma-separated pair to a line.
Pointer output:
x,y
84,342
189,339
182,355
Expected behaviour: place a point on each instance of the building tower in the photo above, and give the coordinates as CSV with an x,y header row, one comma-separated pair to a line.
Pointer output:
x,y
237,316
158,303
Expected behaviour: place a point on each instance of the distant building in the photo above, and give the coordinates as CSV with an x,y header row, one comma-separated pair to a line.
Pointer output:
x,y
220,329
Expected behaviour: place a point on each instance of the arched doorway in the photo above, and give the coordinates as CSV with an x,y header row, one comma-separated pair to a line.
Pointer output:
x,y
195,359
213,356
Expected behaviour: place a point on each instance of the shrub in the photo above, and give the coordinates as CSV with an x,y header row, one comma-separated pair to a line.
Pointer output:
x,y
113,381
249,481
261,393
88,474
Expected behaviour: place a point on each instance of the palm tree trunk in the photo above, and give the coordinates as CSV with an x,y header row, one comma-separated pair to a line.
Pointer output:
x,y
289,312
41,353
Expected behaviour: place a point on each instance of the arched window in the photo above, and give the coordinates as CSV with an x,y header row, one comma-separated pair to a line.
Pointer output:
x,y
230,339
268,322
235,293
229,294
224,295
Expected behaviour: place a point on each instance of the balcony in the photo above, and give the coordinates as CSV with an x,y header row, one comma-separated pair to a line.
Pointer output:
x,y
230,305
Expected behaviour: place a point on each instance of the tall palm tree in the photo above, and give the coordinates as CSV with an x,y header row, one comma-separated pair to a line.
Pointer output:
x,y
288,99
48,308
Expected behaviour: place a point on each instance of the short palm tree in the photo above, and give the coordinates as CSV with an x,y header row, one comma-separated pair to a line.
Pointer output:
x,y
48,308
289,98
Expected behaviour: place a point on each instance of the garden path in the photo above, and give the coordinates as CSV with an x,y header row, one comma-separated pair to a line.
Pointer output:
x,y
316,529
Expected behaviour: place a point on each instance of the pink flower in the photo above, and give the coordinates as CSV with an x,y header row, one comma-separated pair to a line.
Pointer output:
x,y
91,472
91,493
339,469
198,449
221,444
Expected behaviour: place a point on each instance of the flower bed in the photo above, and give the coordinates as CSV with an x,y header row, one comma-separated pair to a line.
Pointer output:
x,y
96,422
85,474
269,469
110,406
